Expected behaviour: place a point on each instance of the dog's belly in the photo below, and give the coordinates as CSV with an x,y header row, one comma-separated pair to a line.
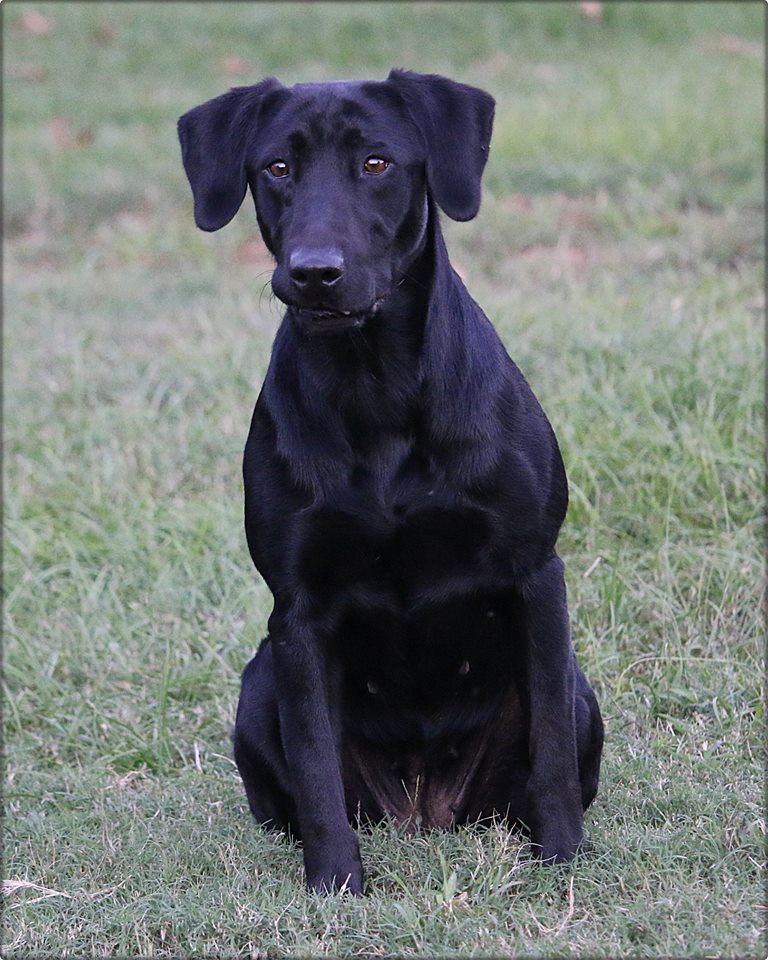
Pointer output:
x,y
456,648
427,698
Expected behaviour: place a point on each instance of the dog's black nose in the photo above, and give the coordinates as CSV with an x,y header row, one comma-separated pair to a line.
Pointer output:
x,y
315,269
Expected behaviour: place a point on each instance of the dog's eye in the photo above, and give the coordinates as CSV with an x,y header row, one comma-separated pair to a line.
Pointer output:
x,y
375,165
278,168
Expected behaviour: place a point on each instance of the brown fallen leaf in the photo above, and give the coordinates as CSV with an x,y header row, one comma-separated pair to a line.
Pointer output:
x,y
560,258
64,135
731,44
103,34
236,67
36,23
252,251
28,71
60,130
592,9
517,202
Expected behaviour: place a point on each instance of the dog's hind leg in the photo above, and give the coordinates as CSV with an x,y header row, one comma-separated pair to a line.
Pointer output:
x,y
258,748
589,738
554,786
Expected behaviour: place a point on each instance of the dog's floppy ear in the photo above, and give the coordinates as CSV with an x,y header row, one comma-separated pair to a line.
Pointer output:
x,y
214,138
456,121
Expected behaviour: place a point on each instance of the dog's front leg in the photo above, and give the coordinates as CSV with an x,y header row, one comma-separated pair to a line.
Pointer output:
x,y
554,790
331,853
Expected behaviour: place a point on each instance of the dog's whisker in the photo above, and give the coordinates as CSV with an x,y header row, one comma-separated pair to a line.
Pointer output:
x,y
414,280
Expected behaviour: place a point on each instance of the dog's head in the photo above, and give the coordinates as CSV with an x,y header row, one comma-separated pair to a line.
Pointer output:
x,y
340,174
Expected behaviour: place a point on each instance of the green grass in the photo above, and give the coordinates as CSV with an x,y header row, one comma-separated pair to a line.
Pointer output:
x,y
619,252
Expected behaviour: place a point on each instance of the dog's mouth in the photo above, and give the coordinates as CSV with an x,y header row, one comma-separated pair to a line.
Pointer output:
x,y
329,321
324,320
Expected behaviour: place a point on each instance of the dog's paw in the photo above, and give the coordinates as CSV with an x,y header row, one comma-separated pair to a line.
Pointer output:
x,y
338,870
558,845
337,880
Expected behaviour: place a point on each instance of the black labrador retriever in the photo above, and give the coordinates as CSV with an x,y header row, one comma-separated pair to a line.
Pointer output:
x,y
403,487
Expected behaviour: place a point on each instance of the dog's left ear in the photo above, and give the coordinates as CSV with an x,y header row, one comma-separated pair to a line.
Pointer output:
x,y
214,139
456,121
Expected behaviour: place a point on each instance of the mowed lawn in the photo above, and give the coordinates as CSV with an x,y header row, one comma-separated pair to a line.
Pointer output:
x,y
619,251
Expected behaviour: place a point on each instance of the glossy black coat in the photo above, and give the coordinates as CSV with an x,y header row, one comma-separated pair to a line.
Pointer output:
x,y
403,488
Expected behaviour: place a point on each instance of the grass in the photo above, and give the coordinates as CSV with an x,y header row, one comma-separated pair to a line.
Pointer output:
x,y
618,250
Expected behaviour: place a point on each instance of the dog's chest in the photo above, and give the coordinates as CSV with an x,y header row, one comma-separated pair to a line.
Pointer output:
x,y
396,522
413,572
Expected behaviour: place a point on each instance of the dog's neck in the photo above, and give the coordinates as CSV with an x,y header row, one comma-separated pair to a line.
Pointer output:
x,y
411,373
371,377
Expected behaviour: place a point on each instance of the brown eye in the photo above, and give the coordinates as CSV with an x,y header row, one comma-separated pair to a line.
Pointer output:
x,y
375,165
278,169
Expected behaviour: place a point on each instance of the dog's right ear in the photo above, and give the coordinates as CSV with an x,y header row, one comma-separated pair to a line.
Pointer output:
x,y
214,138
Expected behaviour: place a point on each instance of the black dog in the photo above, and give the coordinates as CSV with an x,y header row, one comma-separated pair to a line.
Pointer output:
x,y
403,488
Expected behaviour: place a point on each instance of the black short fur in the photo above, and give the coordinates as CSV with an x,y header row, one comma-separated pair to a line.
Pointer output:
x,y
403,488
